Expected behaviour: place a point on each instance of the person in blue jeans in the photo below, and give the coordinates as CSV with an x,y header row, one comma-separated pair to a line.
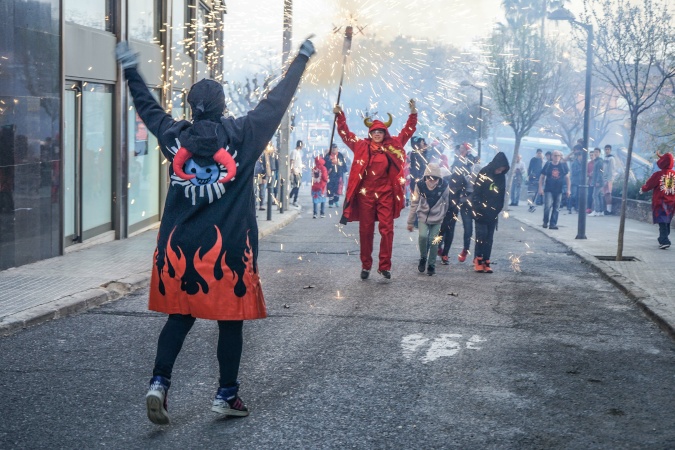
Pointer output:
x,y
554,181
429,205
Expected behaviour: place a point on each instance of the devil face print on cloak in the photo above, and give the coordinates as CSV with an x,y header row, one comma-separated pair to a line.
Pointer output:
x,y
202,180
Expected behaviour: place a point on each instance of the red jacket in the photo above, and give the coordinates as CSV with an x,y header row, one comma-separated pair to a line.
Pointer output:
x,y
663,183
393,146
319,176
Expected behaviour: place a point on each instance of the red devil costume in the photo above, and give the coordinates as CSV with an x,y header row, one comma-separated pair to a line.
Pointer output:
x,y
375,187
663,198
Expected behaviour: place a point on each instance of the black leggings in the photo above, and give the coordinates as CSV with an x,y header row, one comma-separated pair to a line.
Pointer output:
x,y
230,343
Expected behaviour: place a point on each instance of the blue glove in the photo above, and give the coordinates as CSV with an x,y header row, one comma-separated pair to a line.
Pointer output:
x,y
307,48
125,56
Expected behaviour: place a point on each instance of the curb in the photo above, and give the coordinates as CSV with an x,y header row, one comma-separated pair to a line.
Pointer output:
x,y
94,297
647,303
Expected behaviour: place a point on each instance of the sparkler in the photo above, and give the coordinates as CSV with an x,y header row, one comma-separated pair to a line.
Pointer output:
x,y
346,47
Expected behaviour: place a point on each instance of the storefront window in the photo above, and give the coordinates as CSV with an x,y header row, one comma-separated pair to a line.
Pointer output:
x,y
90,13
143,187
201,36
142,20
179,105
97,121
178,25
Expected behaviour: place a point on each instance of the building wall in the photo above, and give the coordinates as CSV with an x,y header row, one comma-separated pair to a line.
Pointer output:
x,y
30,119
77,167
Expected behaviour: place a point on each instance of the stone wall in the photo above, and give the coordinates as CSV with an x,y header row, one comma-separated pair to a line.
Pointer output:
x,y
635,209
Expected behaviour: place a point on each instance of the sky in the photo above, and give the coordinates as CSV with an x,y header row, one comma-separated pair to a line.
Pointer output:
x,y
255,28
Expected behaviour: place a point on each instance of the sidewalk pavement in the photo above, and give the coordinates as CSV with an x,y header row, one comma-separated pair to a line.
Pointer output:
x,y
649,280
56,287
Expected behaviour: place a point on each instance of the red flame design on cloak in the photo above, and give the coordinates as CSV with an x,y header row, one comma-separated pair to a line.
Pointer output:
x,y
215,300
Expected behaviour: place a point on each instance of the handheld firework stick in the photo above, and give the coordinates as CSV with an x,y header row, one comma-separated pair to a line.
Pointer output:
x,y
346,47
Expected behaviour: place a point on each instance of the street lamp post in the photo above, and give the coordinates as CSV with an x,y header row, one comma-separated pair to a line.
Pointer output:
x,y
480,114
564,14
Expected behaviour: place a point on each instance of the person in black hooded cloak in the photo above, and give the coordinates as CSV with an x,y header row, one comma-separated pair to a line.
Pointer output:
x,y
205,264
487,201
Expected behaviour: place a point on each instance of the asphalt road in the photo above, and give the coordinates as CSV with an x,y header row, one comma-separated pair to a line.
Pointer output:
x,y
547,356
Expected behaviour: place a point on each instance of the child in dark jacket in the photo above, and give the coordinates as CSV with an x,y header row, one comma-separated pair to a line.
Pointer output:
x,y
319,182
457,190
487,201
663,198
429,205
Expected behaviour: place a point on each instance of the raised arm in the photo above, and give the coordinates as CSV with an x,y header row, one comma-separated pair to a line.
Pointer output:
x,y
346,135
258,126
410,126
150,111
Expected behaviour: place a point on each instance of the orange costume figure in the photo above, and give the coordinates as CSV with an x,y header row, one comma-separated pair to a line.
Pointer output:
x,y
375,191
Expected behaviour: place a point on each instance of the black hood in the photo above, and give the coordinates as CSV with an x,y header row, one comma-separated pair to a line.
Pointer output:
x,y
500,160
207,100
203,139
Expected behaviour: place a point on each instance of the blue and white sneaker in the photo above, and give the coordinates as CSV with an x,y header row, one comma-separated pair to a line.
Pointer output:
x,y
227,402
156,400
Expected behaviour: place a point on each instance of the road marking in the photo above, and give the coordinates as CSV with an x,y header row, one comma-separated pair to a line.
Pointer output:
x,y
444,345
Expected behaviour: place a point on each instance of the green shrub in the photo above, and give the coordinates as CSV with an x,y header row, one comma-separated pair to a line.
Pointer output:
x,y
633,190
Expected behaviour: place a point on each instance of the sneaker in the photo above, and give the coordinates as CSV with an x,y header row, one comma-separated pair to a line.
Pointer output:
x,y
664,246
330,205
227,402
552,227
607,213
486,266
156,400
545,225
323,216
478,264
431,270
314,216
295,204
385,273
364,274
445,260
421,265
261,208
462,256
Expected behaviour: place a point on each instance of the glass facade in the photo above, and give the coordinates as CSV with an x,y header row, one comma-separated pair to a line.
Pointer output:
x,y
30,119
143,19
89,13
61,119
144,176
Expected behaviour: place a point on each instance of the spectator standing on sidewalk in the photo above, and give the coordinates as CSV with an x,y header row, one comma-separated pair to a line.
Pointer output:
x,y
517,183
553,182
533,173
663,198
319,182
429,204
608,172
488,201
336,167
576,178
296,167
375,186
597,183
205,264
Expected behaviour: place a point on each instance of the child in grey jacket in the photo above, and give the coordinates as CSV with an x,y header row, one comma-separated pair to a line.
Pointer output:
x,y
429,204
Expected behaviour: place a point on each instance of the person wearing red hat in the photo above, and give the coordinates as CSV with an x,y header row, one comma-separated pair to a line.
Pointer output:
x,y
375,187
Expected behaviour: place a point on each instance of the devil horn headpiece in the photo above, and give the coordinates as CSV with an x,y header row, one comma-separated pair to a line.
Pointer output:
x,y
658,154
368,122
221,157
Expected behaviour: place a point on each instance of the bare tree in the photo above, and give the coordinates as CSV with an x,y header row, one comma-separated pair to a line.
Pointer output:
x,y
633,54
523,81
242,97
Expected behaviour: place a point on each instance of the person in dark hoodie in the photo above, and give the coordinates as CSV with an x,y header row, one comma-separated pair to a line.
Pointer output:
x,y
429,205
487,201
457,185
205,263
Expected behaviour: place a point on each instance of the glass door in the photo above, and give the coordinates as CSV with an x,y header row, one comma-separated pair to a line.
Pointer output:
x,y
87,161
